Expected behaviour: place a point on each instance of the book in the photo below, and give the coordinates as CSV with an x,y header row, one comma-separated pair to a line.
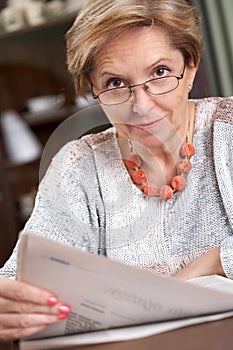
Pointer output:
x,y
107,296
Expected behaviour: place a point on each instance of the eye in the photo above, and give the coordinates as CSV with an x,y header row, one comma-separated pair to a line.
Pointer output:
x,y
115,83
160,72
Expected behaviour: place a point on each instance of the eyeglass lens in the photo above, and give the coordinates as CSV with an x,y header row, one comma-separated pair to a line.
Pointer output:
x,y
154,87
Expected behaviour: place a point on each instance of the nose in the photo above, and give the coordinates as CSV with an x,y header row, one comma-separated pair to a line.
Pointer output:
x,y
142,101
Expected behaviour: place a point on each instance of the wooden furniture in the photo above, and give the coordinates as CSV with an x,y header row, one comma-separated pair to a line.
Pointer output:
x,y
8,228
32,63
216,335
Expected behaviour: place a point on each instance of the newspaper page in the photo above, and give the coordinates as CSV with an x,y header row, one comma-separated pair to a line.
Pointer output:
x,y
116,334
105,294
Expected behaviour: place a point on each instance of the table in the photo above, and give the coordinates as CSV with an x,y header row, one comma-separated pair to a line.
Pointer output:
x,y
216,335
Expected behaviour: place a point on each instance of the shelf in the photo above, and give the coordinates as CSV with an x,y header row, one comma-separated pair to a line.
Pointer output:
x,y
47,117
66,19
33,63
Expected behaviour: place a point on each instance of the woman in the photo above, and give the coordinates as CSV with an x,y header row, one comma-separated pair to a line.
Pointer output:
x,y
154,191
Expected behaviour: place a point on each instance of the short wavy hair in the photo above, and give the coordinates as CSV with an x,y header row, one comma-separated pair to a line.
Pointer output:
x,y
99,21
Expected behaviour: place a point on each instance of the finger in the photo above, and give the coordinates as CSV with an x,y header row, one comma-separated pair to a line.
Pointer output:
x,y
21,291
13,334
8,321
23,307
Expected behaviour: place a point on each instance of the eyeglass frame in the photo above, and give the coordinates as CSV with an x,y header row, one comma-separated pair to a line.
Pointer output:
x,y
130,87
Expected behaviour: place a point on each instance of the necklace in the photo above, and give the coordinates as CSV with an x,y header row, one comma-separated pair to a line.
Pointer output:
x,y
178,183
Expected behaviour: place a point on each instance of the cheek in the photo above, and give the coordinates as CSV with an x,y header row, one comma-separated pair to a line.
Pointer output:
x,y
118,114
174,106
120,117
174,103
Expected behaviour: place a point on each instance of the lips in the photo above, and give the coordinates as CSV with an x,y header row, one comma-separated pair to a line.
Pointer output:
x,y
148,126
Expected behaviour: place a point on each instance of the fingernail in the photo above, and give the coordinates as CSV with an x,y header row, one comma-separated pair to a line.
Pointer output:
x,y
52,300
62,316
64,309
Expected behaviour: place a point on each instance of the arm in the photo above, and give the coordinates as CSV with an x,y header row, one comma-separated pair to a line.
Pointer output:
x,y
207,264
219,260
65,206
61,213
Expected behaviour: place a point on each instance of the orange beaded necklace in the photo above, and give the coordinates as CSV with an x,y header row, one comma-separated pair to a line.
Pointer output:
x,y
178,182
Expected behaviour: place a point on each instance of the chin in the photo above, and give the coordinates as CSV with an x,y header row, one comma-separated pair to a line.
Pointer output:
x,y
143,137
147,140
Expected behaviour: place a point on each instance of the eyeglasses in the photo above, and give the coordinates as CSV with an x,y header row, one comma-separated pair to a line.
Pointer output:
x,y
156,86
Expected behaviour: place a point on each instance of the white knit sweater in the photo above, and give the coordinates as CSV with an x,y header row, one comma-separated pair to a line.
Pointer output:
x,y
87,199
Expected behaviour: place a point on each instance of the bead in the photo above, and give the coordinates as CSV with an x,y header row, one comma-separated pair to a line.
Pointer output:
x,y
187,150
184,166
134,161
139,177
166,192
179,182
150,190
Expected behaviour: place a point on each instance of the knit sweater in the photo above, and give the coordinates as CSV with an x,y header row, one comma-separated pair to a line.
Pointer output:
x,y
88,200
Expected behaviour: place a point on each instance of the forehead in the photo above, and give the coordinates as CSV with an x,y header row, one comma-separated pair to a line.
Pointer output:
x,y
141,43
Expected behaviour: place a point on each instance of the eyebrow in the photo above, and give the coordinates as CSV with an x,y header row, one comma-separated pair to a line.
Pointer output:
x,y
162,59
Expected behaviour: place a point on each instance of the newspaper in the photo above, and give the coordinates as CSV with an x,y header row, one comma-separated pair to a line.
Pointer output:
x,y
109,300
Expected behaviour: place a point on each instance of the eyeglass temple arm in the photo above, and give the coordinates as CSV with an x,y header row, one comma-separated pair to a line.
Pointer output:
x,y
182,74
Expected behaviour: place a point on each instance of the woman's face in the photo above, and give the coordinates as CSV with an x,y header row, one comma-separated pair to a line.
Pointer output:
x,y
138,55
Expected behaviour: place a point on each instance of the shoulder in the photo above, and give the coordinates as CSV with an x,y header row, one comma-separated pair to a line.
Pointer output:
x,y
223,134
222,147
212,109
76,156
224,110
95,140
216,101
81,148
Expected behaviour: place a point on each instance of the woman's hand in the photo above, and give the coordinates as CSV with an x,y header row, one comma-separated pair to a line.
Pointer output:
x,y
207,264
26,309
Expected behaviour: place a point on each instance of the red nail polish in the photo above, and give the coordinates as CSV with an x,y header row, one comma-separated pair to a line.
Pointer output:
x,y
62,316
52,300
64,309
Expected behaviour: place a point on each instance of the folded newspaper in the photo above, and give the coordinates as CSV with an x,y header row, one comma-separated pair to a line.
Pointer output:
x,y
110,296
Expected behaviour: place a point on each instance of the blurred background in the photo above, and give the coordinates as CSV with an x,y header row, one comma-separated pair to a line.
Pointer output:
x,y
37,93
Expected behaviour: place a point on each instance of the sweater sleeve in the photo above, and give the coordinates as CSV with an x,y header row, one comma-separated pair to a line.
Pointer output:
x,y
68,206
223,158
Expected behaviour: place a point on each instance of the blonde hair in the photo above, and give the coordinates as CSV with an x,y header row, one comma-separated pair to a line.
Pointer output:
x,y
99,21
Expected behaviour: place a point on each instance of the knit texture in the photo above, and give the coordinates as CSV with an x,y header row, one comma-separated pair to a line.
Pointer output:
x,y
87,200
